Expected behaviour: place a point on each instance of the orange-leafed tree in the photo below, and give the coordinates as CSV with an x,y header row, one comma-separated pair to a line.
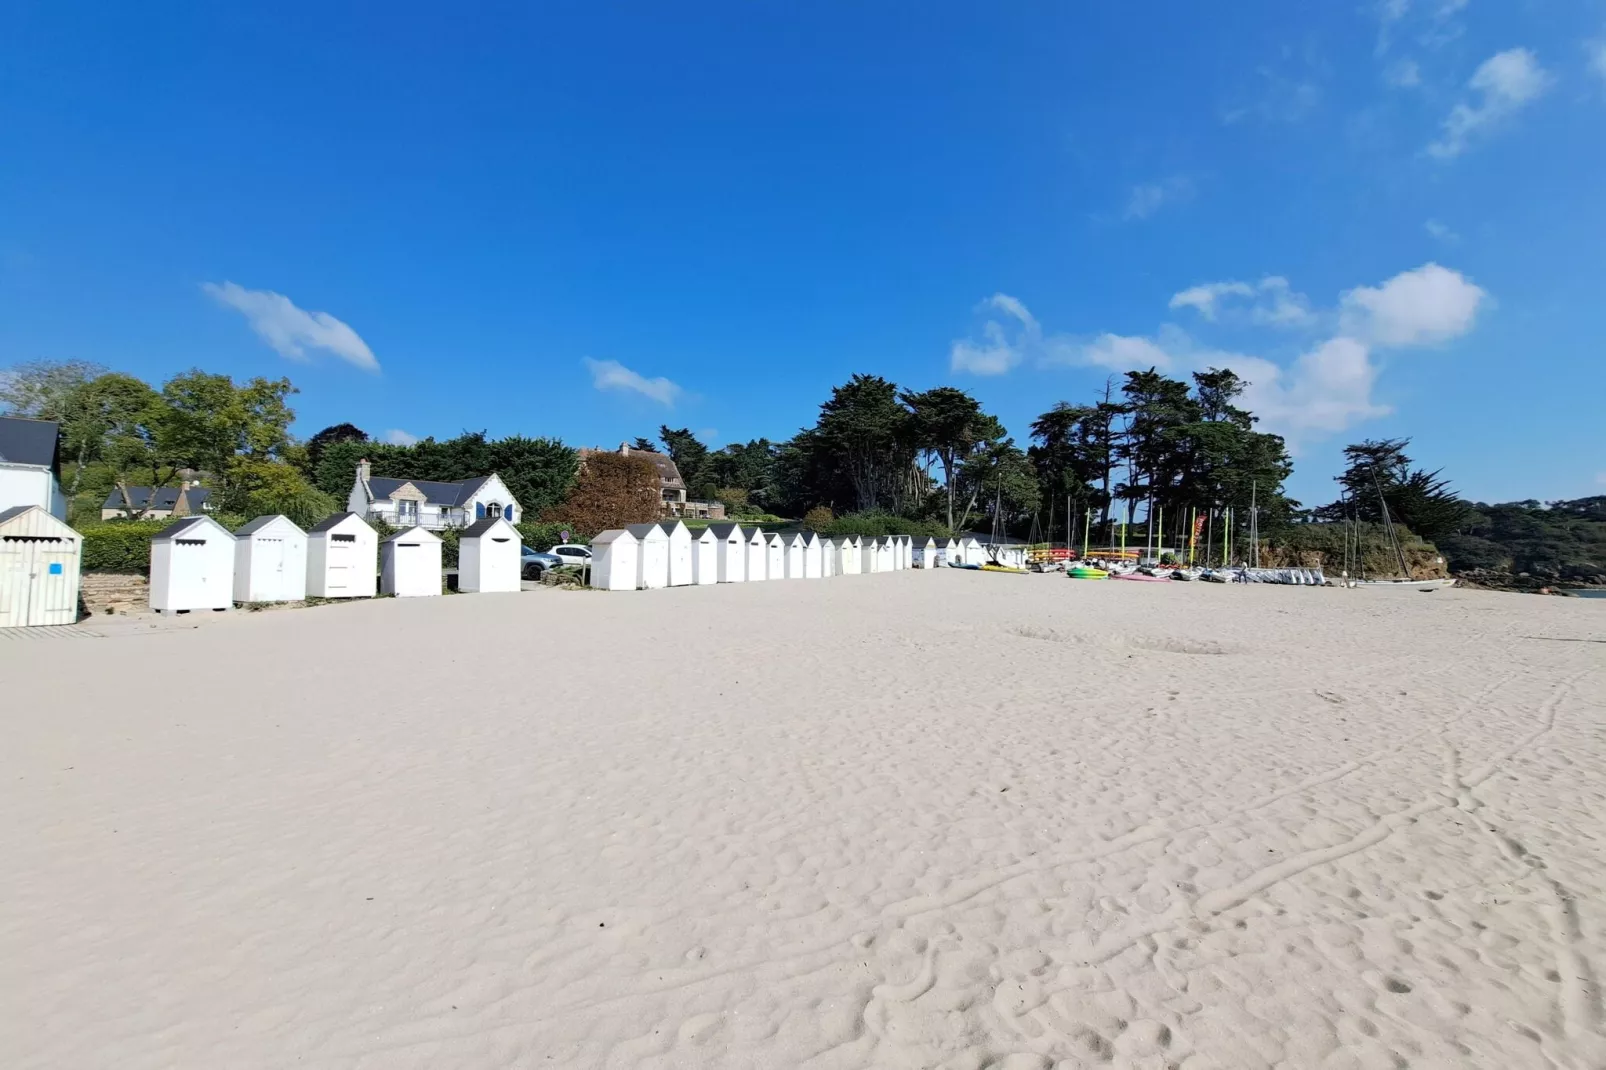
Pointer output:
x,y
613,491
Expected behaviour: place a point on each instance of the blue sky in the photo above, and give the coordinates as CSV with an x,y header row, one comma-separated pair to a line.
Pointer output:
x,y
587,220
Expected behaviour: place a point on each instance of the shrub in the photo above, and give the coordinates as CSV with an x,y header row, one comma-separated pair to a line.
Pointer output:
x,y
121,545
613,491
818,518
545,534
874,525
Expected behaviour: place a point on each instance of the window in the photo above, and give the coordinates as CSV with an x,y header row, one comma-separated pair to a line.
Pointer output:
x,y
493,509
407,512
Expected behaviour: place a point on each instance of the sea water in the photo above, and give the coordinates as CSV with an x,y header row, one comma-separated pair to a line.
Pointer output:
x,y
1598,593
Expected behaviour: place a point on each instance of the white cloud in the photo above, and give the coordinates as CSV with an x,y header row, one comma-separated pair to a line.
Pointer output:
x,y
1403,74
1003,343
1125,353
1273,302
397,437
1597,58
292,331
1504,84
1149,198
611,375
1441,232
1420,307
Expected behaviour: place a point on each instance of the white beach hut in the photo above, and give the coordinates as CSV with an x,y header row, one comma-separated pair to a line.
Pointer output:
x,y
758,555
40,559
847,555
342,558
774,556
270,561
613,560
410,564
906,551
972,552
652,556
792,550
680,551
883,554
705,557
823,559
924,552
488,557
730,552
192,566
946,549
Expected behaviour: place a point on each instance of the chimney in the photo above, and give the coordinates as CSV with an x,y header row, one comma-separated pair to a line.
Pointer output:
x,y
363,470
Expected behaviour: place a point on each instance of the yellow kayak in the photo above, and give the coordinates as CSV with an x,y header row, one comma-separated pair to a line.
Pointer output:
x,y
1001,568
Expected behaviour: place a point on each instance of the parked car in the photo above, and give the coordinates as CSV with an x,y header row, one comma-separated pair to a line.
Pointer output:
x,y
533,563
571,554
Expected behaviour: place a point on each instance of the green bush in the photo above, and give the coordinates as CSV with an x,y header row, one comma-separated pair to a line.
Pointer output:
x,y
874,525
121,546
543,535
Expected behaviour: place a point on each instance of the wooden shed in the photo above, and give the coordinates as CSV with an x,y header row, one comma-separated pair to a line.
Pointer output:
x,y
410,564
40,559
902,552
946,549
613,560
758,555
192,566
680,552
488,557
270,561
827,557
652,556
342,558
924,552
847,555
730,552
705,547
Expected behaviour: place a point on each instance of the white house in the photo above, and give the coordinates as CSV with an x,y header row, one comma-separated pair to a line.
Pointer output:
x,y
680,552
410,564
431,504
192,566
705,546
652,556
730,552
923,554
488,557
342,558
614,556
792,555
758,556
40,558
774,556
156,503
30,466
270,561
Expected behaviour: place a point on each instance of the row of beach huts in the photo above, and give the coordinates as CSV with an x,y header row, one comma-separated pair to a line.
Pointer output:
x,y
669,554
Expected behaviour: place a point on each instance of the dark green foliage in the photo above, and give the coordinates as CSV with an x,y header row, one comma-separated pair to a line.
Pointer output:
x,y
1379,471
691,458
872,524
538,471
329,436
1563,540
544,534
120,546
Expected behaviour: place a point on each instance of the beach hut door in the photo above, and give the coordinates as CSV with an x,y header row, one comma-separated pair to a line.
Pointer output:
x,y
342,548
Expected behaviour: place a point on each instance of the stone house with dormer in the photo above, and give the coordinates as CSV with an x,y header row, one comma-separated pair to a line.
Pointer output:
x,y
431,504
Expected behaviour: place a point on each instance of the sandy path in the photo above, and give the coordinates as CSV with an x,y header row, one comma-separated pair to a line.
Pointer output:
x,y
909,820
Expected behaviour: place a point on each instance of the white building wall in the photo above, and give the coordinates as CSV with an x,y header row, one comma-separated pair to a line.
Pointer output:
x,y
774,557
343,562
270,565
26,485
731,558
758,557
792,546
652,561
680,556
410,564
194,570
705,559
490,563
613,561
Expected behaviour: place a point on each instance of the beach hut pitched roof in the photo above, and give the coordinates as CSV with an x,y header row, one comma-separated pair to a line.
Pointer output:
x,y
329,523
254,526
613,535
189,524
723,531
480,527
646,531
415,530
669,526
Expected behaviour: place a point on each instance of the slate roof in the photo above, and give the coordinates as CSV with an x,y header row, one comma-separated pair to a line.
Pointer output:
x,y
329,522
173,531
414,530
641,531
435,492
166,498
14,511
28,441
722,532
480,527
670,525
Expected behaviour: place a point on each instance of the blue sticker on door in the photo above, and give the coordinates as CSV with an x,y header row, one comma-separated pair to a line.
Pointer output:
x,y
55,568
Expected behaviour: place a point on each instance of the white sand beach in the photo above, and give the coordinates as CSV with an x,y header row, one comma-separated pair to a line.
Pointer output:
x,y
903,820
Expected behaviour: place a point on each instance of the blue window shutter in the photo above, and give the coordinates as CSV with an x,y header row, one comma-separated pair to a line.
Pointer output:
x,y
507,513
479,510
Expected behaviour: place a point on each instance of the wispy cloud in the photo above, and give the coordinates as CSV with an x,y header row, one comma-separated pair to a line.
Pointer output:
x,y
1502,86
1146,199
1596,51
1403,74
397,437
1441,232
292,331
1272,302
611,375
1326,389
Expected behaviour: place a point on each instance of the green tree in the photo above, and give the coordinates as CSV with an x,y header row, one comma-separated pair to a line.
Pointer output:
x,y
946,422
690,457
212,422
327,437
864,432
1379,471
44,389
